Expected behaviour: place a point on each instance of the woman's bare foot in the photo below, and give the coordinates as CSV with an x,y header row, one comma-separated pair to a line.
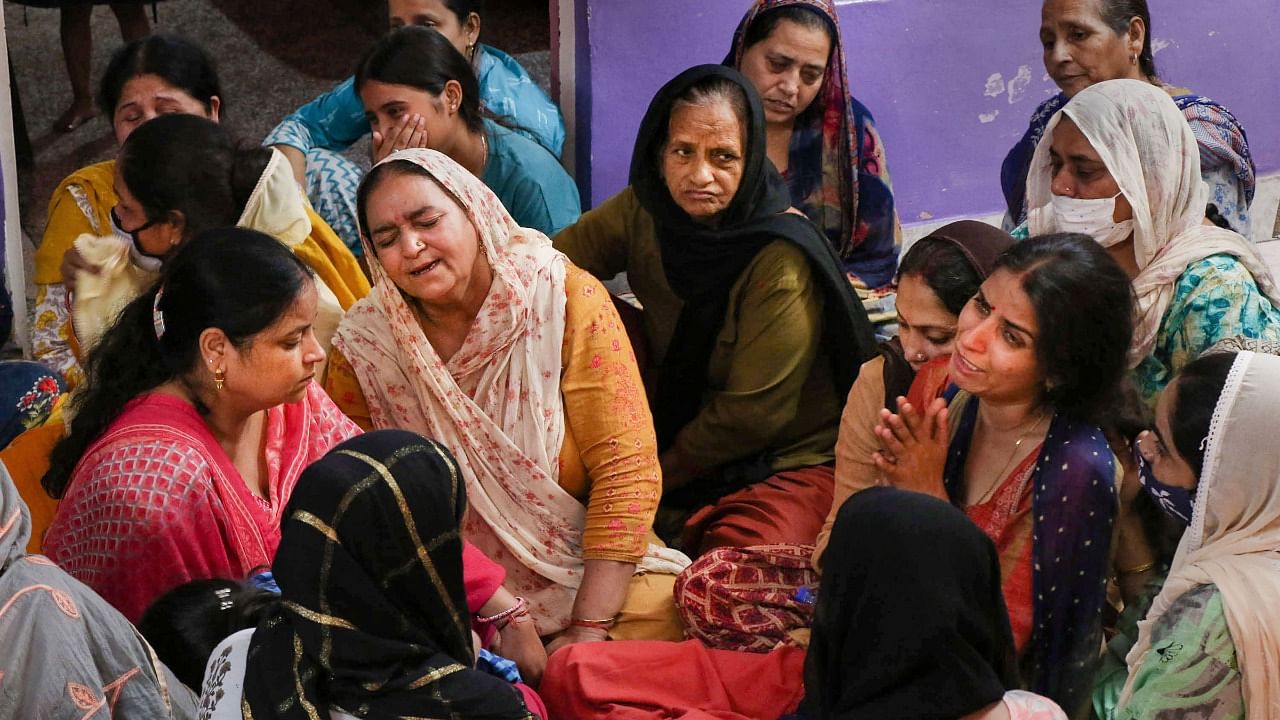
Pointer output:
x,y
74,117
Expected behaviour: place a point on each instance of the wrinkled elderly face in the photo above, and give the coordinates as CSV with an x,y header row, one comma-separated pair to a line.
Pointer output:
x,y
702,161
1080,49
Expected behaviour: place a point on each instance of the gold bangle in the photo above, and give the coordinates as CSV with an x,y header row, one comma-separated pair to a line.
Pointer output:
x,y
1136,569
594,624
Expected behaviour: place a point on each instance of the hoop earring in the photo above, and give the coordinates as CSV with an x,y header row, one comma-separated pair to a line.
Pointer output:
x,y
219,377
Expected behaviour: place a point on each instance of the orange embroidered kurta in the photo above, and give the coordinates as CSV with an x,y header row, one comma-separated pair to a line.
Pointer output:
x,y
608,459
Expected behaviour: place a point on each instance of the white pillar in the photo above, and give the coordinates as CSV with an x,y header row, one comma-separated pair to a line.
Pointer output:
x,y
15,272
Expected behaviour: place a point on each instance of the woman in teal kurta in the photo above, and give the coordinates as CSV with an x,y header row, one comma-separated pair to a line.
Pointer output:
x,y
418,91
1119,163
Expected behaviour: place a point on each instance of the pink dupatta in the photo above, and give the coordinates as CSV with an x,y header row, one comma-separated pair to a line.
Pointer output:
x,y
156,502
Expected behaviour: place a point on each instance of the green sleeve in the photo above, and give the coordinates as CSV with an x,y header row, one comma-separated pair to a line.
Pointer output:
x,y
777,325
600,241
1191,668
1214,299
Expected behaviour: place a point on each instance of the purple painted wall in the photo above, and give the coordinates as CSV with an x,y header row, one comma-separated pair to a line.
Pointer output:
x,y
950,82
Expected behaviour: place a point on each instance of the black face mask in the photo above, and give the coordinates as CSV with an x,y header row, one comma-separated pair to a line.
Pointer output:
x,y
132,234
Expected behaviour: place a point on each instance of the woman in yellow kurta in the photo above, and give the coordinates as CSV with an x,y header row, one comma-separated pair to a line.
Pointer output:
x,y
480,335
157,75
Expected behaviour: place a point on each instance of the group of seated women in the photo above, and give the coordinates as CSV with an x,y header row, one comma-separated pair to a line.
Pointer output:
x,y
381,443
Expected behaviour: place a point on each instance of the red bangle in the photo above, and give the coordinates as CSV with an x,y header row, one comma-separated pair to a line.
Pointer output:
x,y
520,609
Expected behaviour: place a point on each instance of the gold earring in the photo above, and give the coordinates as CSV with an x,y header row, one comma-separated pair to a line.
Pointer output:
x,y
219,377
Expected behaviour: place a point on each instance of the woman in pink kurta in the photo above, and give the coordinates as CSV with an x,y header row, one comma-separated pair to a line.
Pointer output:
x,y
198,416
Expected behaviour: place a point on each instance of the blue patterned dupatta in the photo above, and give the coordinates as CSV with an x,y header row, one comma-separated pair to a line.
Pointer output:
x,y
1074,503
1225,161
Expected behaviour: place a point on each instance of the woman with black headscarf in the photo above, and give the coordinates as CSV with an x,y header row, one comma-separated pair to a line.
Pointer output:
x,y
756,333
373,620
910,619
910,623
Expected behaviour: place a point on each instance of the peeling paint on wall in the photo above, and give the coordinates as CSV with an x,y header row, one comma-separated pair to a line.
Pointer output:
x,y
995,85
1018,85
985,118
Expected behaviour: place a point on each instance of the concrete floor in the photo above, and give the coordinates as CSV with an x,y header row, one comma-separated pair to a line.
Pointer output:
x,y
267,65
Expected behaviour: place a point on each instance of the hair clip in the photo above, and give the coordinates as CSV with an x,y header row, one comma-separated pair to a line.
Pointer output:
x,y
157,317
224,598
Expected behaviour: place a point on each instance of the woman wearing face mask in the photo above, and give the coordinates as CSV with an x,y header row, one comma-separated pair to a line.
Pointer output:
x,y
1091,41
179,180
179,175
415,72
314,135
1120,164
820,138
1037,365
937,277
156,75
1207,645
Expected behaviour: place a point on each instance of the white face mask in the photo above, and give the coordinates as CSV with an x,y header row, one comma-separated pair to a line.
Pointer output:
x,y
1090,217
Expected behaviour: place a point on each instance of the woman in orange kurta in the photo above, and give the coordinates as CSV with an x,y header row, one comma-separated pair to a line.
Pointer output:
x,y
480,335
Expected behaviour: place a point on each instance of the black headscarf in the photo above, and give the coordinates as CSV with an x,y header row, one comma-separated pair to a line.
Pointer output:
x,y
910,620
702,262
374,616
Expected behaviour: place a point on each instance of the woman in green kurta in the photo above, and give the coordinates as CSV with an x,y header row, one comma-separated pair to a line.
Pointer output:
x,y
756,334
1207,647
1120,163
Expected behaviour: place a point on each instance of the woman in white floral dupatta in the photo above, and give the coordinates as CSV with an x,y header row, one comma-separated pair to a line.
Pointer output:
x,y
1119,163
482,336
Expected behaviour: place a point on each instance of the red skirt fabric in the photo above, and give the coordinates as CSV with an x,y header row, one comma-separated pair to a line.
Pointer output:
x,y
655,680
786,509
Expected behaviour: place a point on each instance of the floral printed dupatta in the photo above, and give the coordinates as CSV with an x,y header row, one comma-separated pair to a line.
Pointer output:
x,y
837,173
496,404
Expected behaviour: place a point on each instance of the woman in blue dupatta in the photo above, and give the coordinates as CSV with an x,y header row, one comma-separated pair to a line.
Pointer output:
x,y
821,139
1096,40
1038,361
